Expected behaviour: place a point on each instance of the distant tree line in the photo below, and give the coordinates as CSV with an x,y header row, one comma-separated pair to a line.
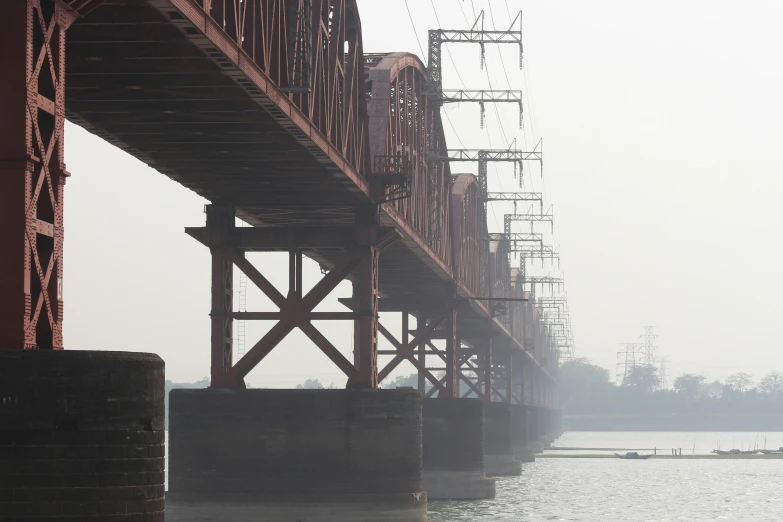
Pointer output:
x,y
402,381
314,384
586,390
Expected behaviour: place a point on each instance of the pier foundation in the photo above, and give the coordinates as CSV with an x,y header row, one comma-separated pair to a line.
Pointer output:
x,y
545,426
295,456
453,450
534,428
81,436
551,425
519,441
498,452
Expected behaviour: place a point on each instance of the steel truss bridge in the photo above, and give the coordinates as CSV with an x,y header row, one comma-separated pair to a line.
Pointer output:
x,y
271,111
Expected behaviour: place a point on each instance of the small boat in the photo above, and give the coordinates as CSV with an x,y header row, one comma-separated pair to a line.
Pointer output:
x,y
632,455
730,452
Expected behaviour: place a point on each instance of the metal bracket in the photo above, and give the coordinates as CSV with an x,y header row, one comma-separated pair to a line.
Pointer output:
x,y
390,178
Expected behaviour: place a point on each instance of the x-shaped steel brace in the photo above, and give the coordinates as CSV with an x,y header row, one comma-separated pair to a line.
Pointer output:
x,y
461,360
407,351
294,311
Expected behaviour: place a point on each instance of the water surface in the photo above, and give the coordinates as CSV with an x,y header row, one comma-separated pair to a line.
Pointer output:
x,y
650,490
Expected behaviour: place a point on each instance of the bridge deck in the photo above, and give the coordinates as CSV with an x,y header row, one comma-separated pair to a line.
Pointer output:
x,y
143,77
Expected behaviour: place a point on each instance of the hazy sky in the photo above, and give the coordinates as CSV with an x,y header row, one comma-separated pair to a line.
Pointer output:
x,y
661,125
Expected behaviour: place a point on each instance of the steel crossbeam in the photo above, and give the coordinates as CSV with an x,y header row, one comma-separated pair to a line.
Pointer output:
x,y
480,95
510,155
516,197
296,308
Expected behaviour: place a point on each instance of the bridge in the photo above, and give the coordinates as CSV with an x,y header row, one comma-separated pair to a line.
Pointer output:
x,y
270,110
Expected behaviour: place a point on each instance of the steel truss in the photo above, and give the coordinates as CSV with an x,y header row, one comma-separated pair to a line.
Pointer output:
x,y
406,350
510,218
364,243
32,170
484,156
321,70
475,35
484,377
437,96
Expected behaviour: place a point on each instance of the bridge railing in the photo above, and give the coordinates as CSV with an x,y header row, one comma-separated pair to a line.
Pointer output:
x,y
312,50
470,246
499,275
403,124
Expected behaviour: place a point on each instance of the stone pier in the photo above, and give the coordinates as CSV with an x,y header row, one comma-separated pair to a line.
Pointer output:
x,y
81,436
295,456
549,425
534,427
519,434
498,452
453,450
558,423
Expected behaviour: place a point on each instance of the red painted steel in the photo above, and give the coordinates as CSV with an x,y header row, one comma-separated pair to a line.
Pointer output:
x,y
269,109
335,104
468,227
220,222
452,342
32,173
400,123
488,371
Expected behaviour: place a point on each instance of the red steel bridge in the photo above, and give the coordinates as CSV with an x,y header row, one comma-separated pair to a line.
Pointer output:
x,y
271,110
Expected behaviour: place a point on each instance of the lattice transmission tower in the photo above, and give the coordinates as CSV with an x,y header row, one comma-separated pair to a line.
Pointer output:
x,y
649,338
628,359
438,96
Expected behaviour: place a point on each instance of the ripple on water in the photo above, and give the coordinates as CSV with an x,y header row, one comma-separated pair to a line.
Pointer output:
x,y
614,489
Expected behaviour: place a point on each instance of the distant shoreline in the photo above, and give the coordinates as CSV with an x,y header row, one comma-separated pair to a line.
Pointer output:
x,y
686,423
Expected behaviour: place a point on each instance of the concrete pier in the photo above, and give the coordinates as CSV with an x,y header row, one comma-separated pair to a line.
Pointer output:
x,y
556,427
81,436
453,450
295,456
551,425
519,435
498,452
534,421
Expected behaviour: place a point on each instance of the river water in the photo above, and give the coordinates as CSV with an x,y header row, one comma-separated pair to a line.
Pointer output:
x,y
553,489
628,490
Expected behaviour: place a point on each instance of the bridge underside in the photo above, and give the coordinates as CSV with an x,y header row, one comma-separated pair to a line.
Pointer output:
x,y
144,78
187,87
163,81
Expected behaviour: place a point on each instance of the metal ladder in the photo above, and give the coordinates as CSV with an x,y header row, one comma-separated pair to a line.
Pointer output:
x,y
242,305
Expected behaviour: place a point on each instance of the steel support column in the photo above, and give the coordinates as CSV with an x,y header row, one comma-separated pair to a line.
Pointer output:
x,y
488,370
462,360
518,377
509,378
220,225
32,172
366,342
362,245
421,323
405,351
452,341
366,339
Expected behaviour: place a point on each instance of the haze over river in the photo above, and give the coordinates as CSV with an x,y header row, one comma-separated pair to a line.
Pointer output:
x,y
636,490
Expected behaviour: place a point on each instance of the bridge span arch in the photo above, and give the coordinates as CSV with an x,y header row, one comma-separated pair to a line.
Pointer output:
x,y
404,124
